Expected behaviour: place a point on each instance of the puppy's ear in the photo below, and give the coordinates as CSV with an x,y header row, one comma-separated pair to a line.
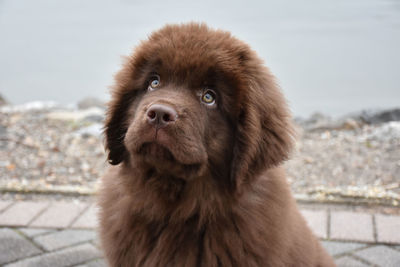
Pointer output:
x,y
116,118
264,134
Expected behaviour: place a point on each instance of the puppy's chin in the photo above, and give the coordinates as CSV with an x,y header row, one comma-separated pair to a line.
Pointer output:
x,y
159,158
155,152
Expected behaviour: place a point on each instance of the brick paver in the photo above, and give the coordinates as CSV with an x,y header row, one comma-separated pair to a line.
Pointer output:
x,y
336,248
59,215
63,234
388,228
95,263
317,221
4,204
347,225
65,238
13,246
22,213
348,261
88,219
31,232
61,258
381,255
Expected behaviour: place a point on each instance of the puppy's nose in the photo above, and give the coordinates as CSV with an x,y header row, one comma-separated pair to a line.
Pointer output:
x,y
160,115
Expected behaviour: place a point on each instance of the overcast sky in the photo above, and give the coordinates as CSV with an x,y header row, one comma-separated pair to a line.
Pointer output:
x,y
332,56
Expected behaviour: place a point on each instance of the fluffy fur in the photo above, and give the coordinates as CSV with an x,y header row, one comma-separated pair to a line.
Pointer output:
x,y
207,189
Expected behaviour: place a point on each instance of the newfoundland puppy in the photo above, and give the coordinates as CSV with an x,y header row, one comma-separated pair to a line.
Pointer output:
x,y
196,132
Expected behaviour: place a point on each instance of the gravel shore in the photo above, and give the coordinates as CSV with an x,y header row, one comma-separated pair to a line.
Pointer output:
x,y
46,148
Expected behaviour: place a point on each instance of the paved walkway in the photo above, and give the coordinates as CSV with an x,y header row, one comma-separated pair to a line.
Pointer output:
x,y
63,234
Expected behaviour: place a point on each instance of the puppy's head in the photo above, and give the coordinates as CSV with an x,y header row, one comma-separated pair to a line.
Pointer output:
x,y
192,101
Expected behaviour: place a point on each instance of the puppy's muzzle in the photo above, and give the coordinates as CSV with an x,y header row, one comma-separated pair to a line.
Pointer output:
x,y
160,116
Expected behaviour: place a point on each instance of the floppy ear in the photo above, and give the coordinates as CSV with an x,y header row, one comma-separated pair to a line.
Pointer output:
x,y
116,118
264,134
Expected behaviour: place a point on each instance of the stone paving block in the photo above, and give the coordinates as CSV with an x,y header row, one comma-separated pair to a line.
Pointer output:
x,y
317,221
21,213
59,215
335,248
65,238
388,228
348,261
380,255
4,204
97,242
31,232
95,263
88,219
346,225
13,246
61,258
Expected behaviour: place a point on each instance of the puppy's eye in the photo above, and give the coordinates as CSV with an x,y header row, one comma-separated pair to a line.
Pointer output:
x,y
208,97
154,83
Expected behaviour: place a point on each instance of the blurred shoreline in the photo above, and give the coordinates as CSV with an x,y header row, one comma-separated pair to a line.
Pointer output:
x,y
48,148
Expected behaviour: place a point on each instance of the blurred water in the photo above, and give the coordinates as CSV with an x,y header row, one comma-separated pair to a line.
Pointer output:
x,y
333,56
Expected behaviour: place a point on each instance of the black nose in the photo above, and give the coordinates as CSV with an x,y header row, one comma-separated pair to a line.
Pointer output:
x,y
160,115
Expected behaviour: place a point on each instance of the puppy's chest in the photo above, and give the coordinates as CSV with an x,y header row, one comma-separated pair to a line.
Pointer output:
x,y
190,245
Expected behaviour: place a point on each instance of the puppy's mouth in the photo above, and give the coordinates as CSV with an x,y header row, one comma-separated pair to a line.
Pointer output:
x,y
156,151
161,158
167,145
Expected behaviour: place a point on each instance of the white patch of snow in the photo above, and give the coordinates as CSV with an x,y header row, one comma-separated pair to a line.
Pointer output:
x,y
95,129
35,105
75,115
387,131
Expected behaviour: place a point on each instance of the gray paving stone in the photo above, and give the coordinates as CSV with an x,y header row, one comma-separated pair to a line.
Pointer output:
x,y
348,261
61,258
31,232
65,238
317,221
388,228
97,242
21,213
346,225
59,215
381,256
95,263
4,204
13,246
88,219
335,248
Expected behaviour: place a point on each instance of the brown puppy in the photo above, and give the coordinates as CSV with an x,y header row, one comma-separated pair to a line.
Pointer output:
x,y
196,131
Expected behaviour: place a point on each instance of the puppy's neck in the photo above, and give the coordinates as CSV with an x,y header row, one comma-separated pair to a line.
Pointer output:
x,y
161,196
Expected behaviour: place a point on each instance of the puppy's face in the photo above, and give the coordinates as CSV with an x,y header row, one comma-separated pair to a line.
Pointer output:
x,y
192,102
176,123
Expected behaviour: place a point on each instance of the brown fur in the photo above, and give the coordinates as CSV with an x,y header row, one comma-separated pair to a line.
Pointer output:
x,y
208,189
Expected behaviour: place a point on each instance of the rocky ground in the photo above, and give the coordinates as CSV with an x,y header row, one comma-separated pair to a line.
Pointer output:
x,y
46,148
347,159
